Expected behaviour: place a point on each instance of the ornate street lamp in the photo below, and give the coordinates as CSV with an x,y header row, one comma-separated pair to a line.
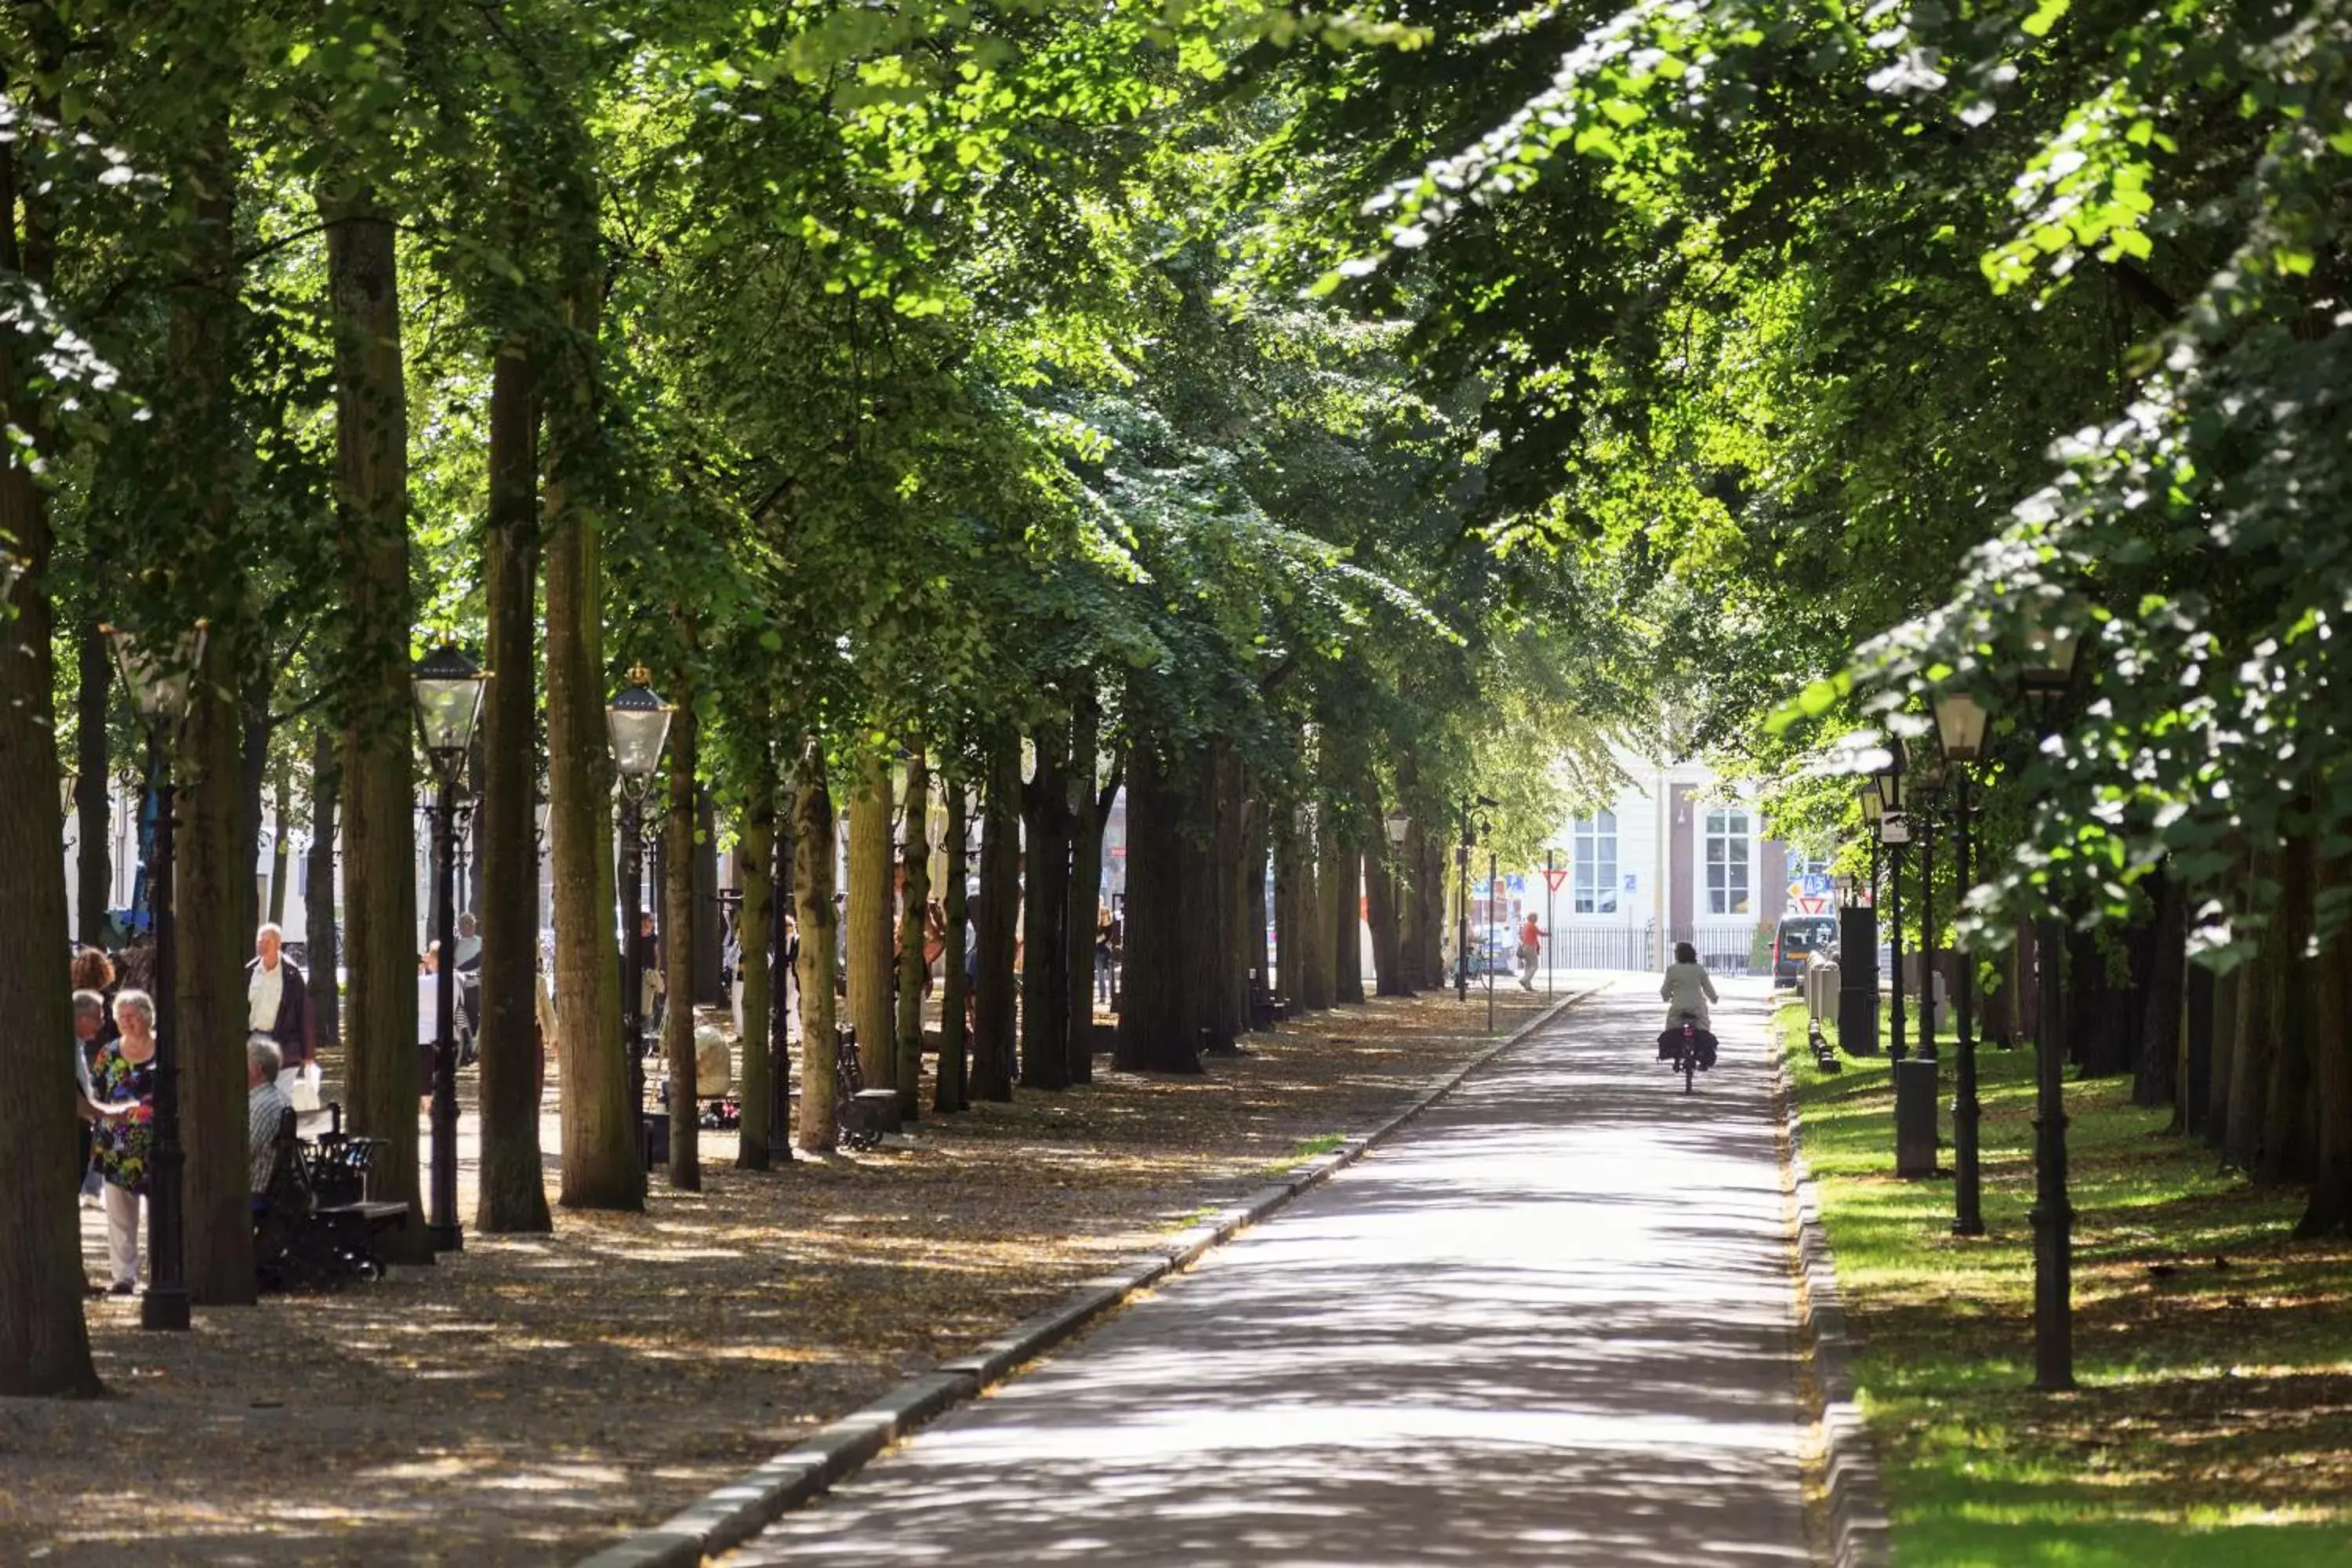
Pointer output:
x,y
1960,727
448,691
638,722
158,686
2047,676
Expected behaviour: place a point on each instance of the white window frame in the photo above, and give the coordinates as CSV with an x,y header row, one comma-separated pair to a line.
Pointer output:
x,y
1592,852
1728,845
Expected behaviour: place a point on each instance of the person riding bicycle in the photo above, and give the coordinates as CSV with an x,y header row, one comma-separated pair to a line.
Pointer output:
x,y
1686,991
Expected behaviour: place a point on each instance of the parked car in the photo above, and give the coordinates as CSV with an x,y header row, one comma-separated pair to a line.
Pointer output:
x,y
1797,939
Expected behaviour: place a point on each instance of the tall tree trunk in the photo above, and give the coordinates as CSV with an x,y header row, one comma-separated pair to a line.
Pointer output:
x,y
318,925
253,777
93,875
603,1161
1156,1019
1335,898
380,796
994,999
680,912
1429,901
512,1192
2256,1038
755,850
914,903
2155,1079
1044,985
784,995
1315,923
952,1086
44,1344
2286,1139
281,807
2226,989
1229,1019
813,840
2329,1210
1085,907
870,920
1289,906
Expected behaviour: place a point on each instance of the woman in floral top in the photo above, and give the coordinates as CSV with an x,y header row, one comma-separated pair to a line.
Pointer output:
x,y
123,1087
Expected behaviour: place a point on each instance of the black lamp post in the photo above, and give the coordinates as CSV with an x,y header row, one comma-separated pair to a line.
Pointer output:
x,y
1462,900
639,725
1894,833
1486,832
1960,725
1400,825
448,688
159,691
1927,798
2048,674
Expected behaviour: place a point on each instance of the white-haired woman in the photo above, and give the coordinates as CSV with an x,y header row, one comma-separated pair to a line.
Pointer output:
x,y
122,1087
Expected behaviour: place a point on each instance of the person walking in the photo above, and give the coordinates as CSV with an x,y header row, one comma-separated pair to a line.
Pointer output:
x,y
1531,940
278,1004
88,1016
122,1092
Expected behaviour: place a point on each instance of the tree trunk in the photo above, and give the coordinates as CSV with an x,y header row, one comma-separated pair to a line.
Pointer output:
x,y
993,998
319,899
512,1192
1085,888
1156,1013
379,799
602,1160
914,903
1315,925
280,844
2287,1131
44,1344
1228,994
679,915
1044,983
1429,897
1343,865
93,876
755,848
2256,1036
813,838
2226,989
2329,1210
2156,1080
951,1089
1289,908
870,921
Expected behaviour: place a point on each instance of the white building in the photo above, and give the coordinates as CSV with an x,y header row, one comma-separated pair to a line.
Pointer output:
x,y
1676,856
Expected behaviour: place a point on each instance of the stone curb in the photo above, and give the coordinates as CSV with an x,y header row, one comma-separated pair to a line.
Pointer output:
x,y
1856,1500
742,1508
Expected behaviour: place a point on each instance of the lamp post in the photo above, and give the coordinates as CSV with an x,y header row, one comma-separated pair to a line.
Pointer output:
x,y
1960,726
1400,825
1486,832
1894,833
448,691
2048,674
638,722
1927,796
159,691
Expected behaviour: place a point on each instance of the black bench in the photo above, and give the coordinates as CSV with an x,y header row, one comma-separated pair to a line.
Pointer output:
x,y
861,1116
313,1226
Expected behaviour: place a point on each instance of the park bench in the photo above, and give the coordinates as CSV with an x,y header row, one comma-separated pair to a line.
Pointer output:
x,y
313,1226
1266,1010
862,1116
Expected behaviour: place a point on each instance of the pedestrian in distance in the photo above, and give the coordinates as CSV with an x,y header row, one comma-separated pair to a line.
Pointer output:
x,y
1531,940
278,1004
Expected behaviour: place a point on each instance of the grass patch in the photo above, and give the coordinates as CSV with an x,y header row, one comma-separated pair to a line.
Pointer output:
x,y
2214,1420
1308,1150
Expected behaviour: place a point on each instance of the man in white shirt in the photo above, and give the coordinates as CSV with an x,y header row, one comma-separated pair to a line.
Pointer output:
x,y
278,1004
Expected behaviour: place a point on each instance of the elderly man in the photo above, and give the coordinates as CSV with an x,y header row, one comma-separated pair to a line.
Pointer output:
x,y
277,1003
266,1106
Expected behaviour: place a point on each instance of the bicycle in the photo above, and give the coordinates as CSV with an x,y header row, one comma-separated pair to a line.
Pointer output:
x,y
1685,1047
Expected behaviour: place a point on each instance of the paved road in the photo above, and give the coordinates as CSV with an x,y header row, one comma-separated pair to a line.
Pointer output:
x,y
1551,1322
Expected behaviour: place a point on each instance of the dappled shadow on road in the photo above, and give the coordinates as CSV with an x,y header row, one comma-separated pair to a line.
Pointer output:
x,y
1553,1325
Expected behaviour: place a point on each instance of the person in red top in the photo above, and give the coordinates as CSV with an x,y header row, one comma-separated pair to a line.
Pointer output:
x,y
1532,938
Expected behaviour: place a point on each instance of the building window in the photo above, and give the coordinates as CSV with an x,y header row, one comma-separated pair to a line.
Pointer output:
x,y
1594,840
1727,863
